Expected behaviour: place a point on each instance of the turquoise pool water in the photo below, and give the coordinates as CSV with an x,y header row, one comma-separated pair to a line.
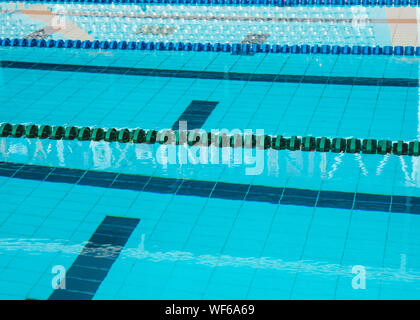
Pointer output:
x,y
274,225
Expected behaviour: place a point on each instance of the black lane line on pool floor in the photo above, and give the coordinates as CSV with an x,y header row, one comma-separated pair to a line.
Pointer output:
x,y
196,114
214,75
93,263
218,190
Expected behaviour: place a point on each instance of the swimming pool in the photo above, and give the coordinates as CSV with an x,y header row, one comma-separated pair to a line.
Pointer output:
x,y
130,220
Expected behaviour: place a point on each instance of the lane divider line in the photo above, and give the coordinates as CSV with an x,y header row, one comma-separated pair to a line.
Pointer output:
x,y
235,48
217,190
94,262
215,75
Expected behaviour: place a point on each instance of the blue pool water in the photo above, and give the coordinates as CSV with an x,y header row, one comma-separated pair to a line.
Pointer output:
x,y
265,225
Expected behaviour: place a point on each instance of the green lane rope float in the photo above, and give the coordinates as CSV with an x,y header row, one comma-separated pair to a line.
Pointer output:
x,y
203,138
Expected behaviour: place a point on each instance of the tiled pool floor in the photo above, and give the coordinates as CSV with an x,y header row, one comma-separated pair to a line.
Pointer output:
x,y
126,223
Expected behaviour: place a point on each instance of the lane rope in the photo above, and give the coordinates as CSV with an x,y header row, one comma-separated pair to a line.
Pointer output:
x,y
236,48
200,137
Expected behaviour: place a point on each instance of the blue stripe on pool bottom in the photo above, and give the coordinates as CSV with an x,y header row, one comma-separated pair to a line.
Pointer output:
x,y
196,114
96,259
214,75
218,190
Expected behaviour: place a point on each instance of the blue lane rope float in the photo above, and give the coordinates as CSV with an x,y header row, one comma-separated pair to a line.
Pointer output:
x,y
281,3
203,138
236,48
